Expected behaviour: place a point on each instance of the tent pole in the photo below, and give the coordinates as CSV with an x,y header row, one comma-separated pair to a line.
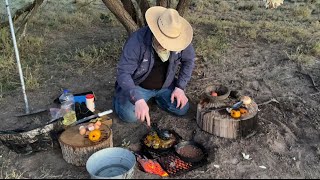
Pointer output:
x,y
17,58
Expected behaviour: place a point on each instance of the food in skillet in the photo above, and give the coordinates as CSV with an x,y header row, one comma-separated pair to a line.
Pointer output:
x,y
152,140
190,151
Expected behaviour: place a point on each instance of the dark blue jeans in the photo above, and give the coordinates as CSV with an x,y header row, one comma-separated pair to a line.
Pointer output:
x,y
125,111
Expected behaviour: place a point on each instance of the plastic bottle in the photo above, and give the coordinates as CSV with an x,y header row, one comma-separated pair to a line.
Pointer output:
x,y
68,108
90,102
66,96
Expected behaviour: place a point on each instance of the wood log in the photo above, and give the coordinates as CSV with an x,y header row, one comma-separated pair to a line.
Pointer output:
x,y
76,148
34,140
220,123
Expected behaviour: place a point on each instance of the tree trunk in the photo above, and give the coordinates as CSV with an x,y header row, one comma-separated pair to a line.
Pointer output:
x,y
183,6
121,14
129,14
164,3
144,5
128,6
76,149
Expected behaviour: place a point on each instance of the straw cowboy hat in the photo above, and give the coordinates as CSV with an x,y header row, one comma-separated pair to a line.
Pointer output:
x,y
172,31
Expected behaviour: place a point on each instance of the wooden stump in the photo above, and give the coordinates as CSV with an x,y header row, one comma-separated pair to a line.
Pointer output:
x,y
218,121
76,149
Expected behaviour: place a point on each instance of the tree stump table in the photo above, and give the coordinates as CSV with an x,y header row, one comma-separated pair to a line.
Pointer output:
x,y
213,118
76,148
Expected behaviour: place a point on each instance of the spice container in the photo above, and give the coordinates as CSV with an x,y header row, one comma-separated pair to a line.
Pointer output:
x,y
90,102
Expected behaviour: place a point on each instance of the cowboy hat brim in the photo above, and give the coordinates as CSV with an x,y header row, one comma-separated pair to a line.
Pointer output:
x,y
171,44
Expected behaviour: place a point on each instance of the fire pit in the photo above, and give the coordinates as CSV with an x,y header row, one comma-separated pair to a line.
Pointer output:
x,y
213,118
169,158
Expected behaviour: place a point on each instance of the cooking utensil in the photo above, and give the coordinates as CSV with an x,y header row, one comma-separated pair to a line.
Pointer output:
x,y
54,120
83,120
227,108
196,147
163,134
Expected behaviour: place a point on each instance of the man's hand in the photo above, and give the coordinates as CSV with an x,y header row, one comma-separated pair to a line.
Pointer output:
x,y
182,99
142,111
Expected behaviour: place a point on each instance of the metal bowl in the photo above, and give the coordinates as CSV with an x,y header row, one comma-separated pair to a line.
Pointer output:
x,y
111,163
222,91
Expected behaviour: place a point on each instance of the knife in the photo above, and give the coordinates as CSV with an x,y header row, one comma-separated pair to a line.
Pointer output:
x,y
91,117
228,108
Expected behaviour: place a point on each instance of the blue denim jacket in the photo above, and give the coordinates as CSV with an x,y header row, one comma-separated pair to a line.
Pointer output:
x,y
137,60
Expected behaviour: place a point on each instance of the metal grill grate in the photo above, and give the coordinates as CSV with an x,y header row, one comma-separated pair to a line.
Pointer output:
x,y
170,161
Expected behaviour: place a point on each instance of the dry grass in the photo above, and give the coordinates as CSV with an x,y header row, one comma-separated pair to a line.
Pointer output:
x,y
52,18
300,57
293,25
295,28
302,11
237,22
29,49
93,56
7,170
316,49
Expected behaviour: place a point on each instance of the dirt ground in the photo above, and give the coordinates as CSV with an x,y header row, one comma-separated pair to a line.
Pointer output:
x,y
286,142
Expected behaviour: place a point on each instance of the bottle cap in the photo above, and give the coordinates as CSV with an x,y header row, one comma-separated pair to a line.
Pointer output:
x,y
89,96
66,91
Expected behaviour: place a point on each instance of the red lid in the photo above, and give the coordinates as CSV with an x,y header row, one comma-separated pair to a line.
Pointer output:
x,y
89,96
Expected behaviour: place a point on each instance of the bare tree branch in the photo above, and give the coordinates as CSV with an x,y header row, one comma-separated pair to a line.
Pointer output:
x,y
116,7
182,6
31,13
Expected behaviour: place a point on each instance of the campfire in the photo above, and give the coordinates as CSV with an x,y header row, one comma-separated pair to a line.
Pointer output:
x,y
180,157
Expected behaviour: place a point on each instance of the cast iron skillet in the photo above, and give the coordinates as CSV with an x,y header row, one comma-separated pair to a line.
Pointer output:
x,y
162,150
191,142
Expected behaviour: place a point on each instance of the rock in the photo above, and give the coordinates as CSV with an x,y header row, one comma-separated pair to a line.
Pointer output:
x,y
255,85
233,161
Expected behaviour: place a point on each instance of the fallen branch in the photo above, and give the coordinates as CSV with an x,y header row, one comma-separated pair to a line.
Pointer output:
x,y
313,94
250,135
35,6
270,101
18,13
